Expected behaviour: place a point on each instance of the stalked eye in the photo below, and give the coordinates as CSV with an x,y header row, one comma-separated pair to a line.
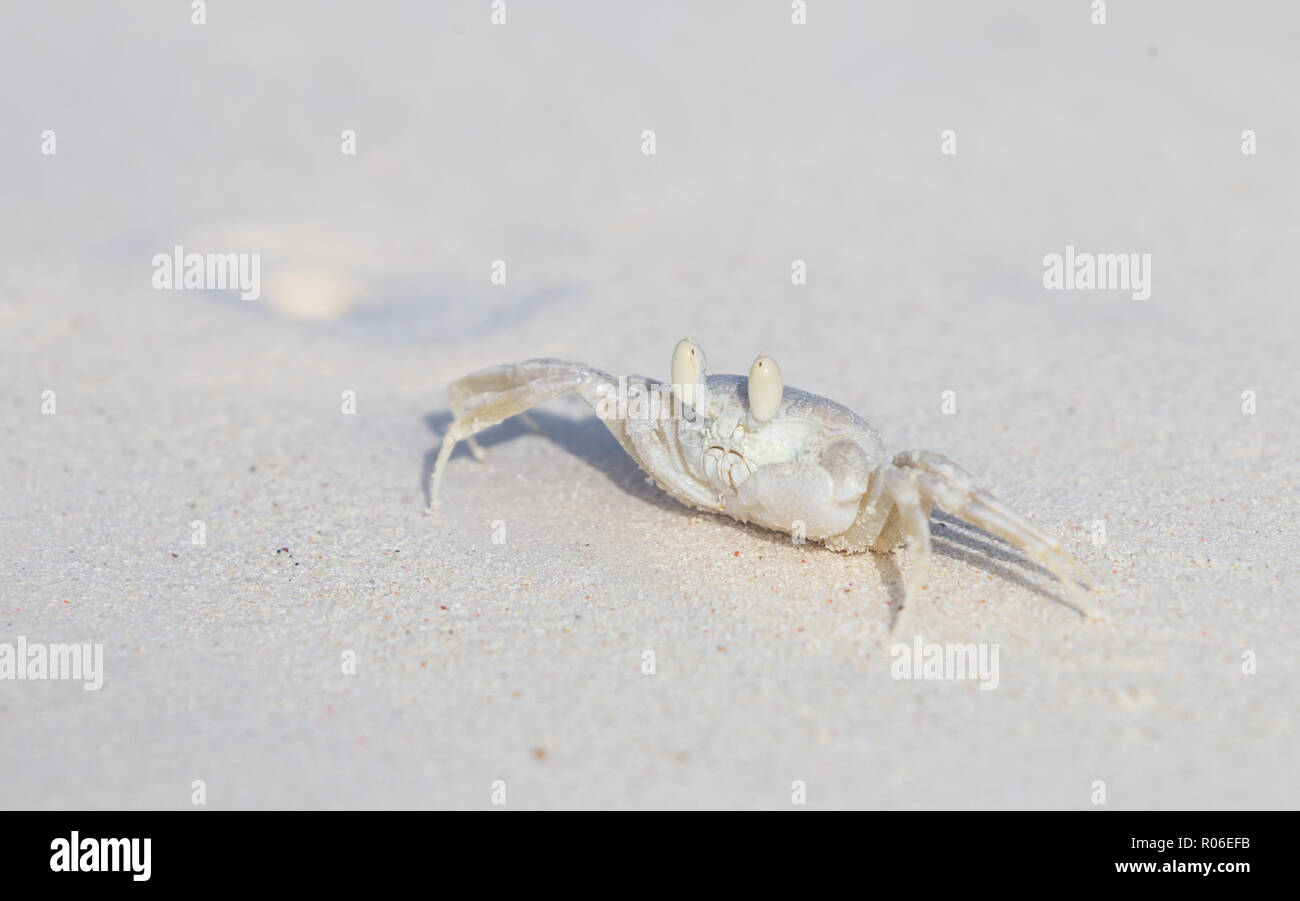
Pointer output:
x,y
765,387
688,371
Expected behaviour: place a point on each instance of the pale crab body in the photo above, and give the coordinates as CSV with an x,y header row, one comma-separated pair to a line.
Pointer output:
x,y
803,471
762,453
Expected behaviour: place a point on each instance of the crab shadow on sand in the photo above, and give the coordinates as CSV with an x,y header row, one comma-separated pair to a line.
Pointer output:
x,y
590,441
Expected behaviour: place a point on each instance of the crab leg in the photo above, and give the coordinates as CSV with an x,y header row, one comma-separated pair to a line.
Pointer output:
x,y
950,486
499,378
915,523
518,387
512,389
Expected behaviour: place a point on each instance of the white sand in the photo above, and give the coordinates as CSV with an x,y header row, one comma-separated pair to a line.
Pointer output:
x,y
522,661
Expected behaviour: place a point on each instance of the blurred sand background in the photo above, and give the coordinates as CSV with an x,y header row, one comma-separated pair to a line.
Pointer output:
x,y
521,661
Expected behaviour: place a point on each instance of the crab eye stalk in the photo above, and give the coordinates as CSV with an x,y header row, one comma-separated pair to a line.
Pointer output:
x,y
688,371
765,388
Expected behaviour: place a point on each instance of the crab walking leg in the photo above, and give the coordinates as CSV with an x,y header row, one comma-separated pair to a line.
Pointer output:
x,y
953,475
876,506
458,412
499,407
929,461
984,511
512,389
916,529
474,447
502,378
496,379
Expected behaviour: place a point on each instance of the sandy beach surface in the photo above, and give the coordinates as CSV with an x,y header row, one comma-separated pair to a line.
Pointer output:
x,y
506,640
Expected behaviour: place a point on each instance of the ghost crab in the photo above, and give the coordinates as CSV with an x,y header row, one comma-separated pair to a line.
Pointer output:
x,y
764,453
